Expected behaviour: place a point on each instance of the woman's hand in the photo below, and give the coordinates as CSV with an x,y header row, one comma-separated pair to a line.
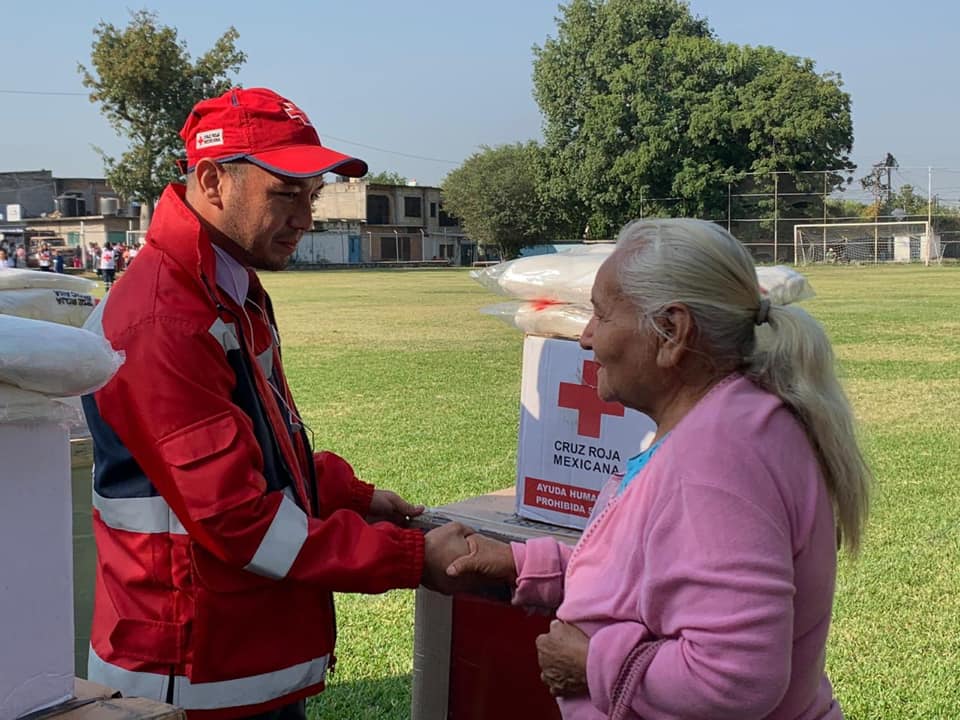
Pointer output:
x,y
563,659
486,559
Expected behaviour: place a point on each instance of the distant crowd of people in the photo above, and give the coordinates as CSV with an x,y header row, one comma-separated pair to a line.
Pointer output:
x,y
105,261
11,257
110,260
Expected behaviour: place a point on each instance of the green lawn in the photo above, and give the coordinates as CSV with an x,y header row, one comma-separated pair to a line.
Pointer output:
x,y
398,372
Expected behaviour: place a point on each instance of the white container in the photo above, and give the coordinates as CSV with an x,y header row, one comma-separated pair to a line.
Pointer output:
x,y
36,568
570,441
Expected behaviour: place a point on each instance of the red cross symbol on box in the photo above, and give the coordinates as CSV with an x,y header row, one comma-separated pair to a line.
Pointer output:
x,y
585,400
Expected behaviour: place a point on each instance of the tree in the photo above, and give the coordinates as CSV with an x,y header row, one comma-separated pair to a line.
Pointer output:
x,y
494,193
907,200
385,177
641,101
146,84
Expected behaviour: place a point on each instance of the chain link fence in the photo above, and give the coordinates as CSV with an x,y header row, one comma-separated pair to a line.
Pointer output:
x,y
762,209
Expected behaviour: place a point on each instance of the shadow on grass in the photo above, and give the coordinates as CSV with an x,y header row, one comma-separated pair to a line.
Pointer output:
x,y
380,699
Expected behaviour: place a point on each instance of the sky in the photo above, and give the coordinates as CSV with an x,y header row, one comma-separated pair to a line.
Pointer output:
x,y
418,87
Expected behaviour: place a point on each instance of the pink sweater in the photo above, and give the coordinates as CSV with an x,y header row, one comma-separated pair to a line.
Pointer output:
x,y
716,565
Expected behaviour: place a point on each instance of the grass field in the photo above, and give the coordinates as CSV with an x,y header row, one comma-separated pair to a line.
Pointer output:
x,y
398,372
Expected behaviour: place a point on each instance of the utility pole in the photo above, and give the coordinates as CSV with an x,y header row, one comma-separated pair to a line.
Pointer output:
x,y
729,205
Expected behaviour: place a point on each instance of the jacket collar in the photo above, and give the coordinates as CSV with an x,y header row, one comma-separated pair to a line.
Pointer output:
x,y
176,231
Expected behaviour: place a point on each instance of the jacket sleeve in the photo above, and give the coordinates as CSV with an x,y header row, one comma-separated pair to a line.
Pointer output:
x,y
170,404
541,564
338,487
719,579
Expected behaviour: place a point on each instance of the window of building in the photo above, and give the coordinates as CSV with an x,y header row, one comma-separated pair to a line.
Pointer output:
x,y
412,206
433,210
378,210
446,250
447,220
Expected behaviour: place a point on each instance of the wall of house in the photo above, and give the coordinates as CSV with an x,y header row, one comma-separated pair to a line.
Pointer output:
x,y
389,213
34,191
341,201
87,231
92,190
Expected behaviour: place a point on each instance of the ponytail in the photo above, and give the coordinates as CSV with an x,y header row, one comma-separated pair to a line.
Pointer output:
x,y
793,359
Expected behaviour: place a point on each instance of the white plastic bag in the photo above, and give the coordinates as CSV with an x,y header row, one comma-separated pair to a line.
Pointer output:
x,y
564,277
66,307
552,319
25,406
20,278
783,285
54,359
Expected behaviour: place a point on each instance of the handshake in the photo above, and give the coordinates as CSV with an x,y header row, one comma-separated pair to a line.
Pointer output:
x,y
457,559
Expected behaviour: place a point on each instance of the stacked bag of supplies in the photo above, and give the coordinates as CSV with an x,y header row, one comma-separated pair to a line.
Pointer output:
x,y
551,293
45,355
54,297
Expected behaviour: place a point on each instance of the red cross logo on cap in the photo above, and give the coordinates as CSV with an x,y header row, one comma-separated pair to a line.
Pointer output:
x,y
295,113
585,400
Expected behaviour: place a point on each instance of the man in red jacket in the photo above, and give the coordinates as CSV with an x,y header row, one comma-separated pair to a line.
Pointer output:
x,y
220,535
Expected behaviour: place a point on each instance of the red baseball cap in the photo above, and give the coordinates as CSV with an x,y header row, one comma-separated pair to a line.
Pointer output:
x,y
264,128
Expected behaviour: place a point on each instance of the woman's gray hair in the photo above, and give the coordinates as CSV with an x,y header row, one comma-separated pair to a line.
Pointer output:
x,y
780,347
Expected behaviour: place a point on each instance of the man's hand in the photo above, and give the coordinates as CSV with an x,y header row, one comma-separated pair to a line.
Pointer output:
x,y
441,547
387,505
487,558
563,659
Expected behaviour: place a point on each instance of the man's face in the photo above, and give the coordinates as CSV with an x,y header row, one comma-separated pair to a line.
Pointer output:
x,y
266,214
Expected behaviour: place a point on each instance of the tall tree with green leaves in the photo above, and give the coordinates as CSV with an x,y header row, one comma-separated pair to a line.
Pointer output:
x,y
641,101
146,84
494,194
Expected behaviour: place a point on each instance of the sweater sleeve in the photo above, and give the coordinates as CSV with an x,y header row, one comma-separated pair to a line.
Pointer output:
x,y
609,653
719,580
541,564
178,421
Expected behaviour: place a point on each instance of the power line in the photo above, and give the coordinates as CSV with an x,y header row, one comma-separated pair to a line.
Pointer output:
x,y
392,152
334,137
40,92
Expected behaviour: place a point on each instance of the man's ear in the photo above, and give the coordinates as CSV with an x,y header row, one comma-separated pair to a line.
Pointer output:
x,y
676,336
209,178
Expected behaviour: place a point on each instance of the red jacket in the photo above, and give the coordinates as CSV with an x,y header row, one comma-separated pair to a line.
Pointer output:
x,y
220,536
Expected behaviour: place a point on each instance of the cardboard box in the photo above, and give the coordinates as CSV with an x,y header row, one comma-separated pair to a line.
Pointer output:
x,y
97,702
474,657
36,569
570,440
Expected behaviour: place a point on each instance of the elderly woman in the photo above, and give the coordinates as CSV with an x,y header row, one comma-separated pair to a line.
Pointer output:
x,y
703,585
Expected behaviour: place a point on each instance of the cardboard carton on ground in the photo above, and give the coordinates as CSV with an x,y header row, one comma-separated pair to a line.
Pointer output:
x,y
36,568
97,702
570,440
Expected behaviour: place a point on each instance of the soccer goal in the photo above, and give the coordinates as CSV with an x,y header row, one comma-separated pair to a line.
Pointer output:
x,y
904,241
